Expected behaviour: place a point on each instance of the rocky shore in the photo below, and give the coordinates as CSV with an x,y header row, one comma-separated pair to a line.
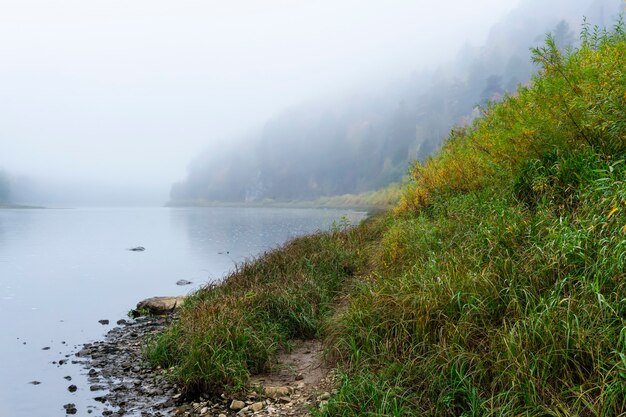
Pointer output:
x,y
126,385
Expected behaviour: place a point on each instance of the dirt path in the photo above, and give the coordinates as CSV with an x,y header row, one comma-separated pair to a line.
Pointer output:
x,y
298,383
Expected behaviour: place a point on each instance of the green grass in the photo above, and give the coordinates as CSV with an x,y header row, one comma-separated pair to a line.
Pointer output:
x,y
228,331
497,287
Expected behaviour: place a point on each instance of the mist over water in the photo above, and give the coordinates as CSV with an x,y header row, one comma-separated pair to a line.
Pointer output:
x,y
107,95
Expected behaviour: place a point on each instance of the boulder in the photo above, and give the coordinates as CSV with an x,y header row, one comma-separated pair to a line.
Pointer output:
x,y
160,305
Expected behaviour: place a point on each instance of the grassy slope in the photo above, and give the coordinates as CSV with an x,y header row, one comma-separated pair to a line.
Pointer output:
x,y
496,287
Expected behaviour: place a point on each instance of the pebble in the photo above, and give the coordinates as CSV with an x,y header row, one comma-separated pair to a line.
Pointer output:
x,y
256,407
72,388
103,322
70,408
237,405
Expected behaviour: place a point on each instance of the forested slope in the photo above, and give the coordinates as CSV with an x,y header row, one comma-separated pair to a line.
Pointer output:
x,y
366,140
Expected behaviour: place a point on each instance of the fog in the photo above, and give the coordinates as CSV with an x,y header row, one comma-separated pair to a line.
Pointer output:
x,y
104,100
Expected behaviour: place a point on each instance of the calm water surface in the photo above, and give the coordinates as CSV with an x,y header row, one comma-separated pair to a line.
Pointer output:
x,y
63,270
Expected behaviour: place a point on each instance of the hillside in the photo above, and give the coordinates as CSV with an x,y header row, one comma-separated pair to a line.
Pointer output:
x,y
354,143
496,287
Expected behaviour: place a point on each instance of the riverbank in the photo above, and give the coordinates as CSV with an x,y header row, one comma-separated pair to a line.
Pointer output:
x,y
126,385
18,206
375,201
495,287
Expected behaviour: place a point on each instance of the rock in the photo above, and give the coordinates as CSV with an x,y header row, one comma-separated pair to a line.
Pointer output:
x,y
69,378
34,382
72,388
160,305
276,392
103,322
45,348
237,405
183,282
137,249
96,388
70,408
122,322
222,415
204,410
256,407
325,396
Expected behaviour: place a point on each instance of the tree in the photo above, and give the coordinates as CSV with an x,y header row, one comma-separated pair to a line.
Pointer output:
x,y
563,36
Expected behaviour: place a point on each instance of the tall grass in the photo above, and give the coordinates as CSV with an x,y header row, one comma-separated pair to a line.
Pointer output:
x,y
500,284
497,287
228,331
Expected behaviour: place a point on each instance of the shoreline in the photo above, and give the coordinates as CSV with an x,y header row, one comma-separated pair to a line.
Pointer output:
x,y
125,384
117,374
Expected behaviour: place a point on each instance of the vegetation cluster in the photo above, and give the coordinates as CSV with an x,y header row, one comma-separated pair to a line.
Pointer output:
x,y
496,286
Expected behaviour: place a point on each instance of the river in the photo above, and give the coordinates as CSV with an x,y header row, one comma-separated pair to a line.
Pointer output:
x,y
63,270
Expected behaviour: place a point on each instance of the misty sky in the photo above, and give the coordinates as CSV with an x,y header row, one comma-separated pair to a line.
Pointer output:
x,y
129,91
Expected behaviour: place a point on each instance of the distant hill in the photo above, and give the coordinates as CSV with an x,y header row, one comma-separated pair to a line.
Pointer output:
x,y
367,140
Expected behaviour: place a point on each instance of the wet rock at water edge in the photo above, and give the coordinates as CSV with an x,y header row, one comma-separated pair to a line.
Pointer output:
x,y
103,322
45,348
159,305
70,408
34,382
182,282
137,249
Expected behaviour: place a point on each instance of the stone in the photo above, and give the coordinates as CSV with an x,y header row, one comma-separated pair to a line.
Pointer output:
x,y
256,407
237,405
72,388
204,410
70,408
276,392
325,396
137,249
182,282
160,305
222,415
34,382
